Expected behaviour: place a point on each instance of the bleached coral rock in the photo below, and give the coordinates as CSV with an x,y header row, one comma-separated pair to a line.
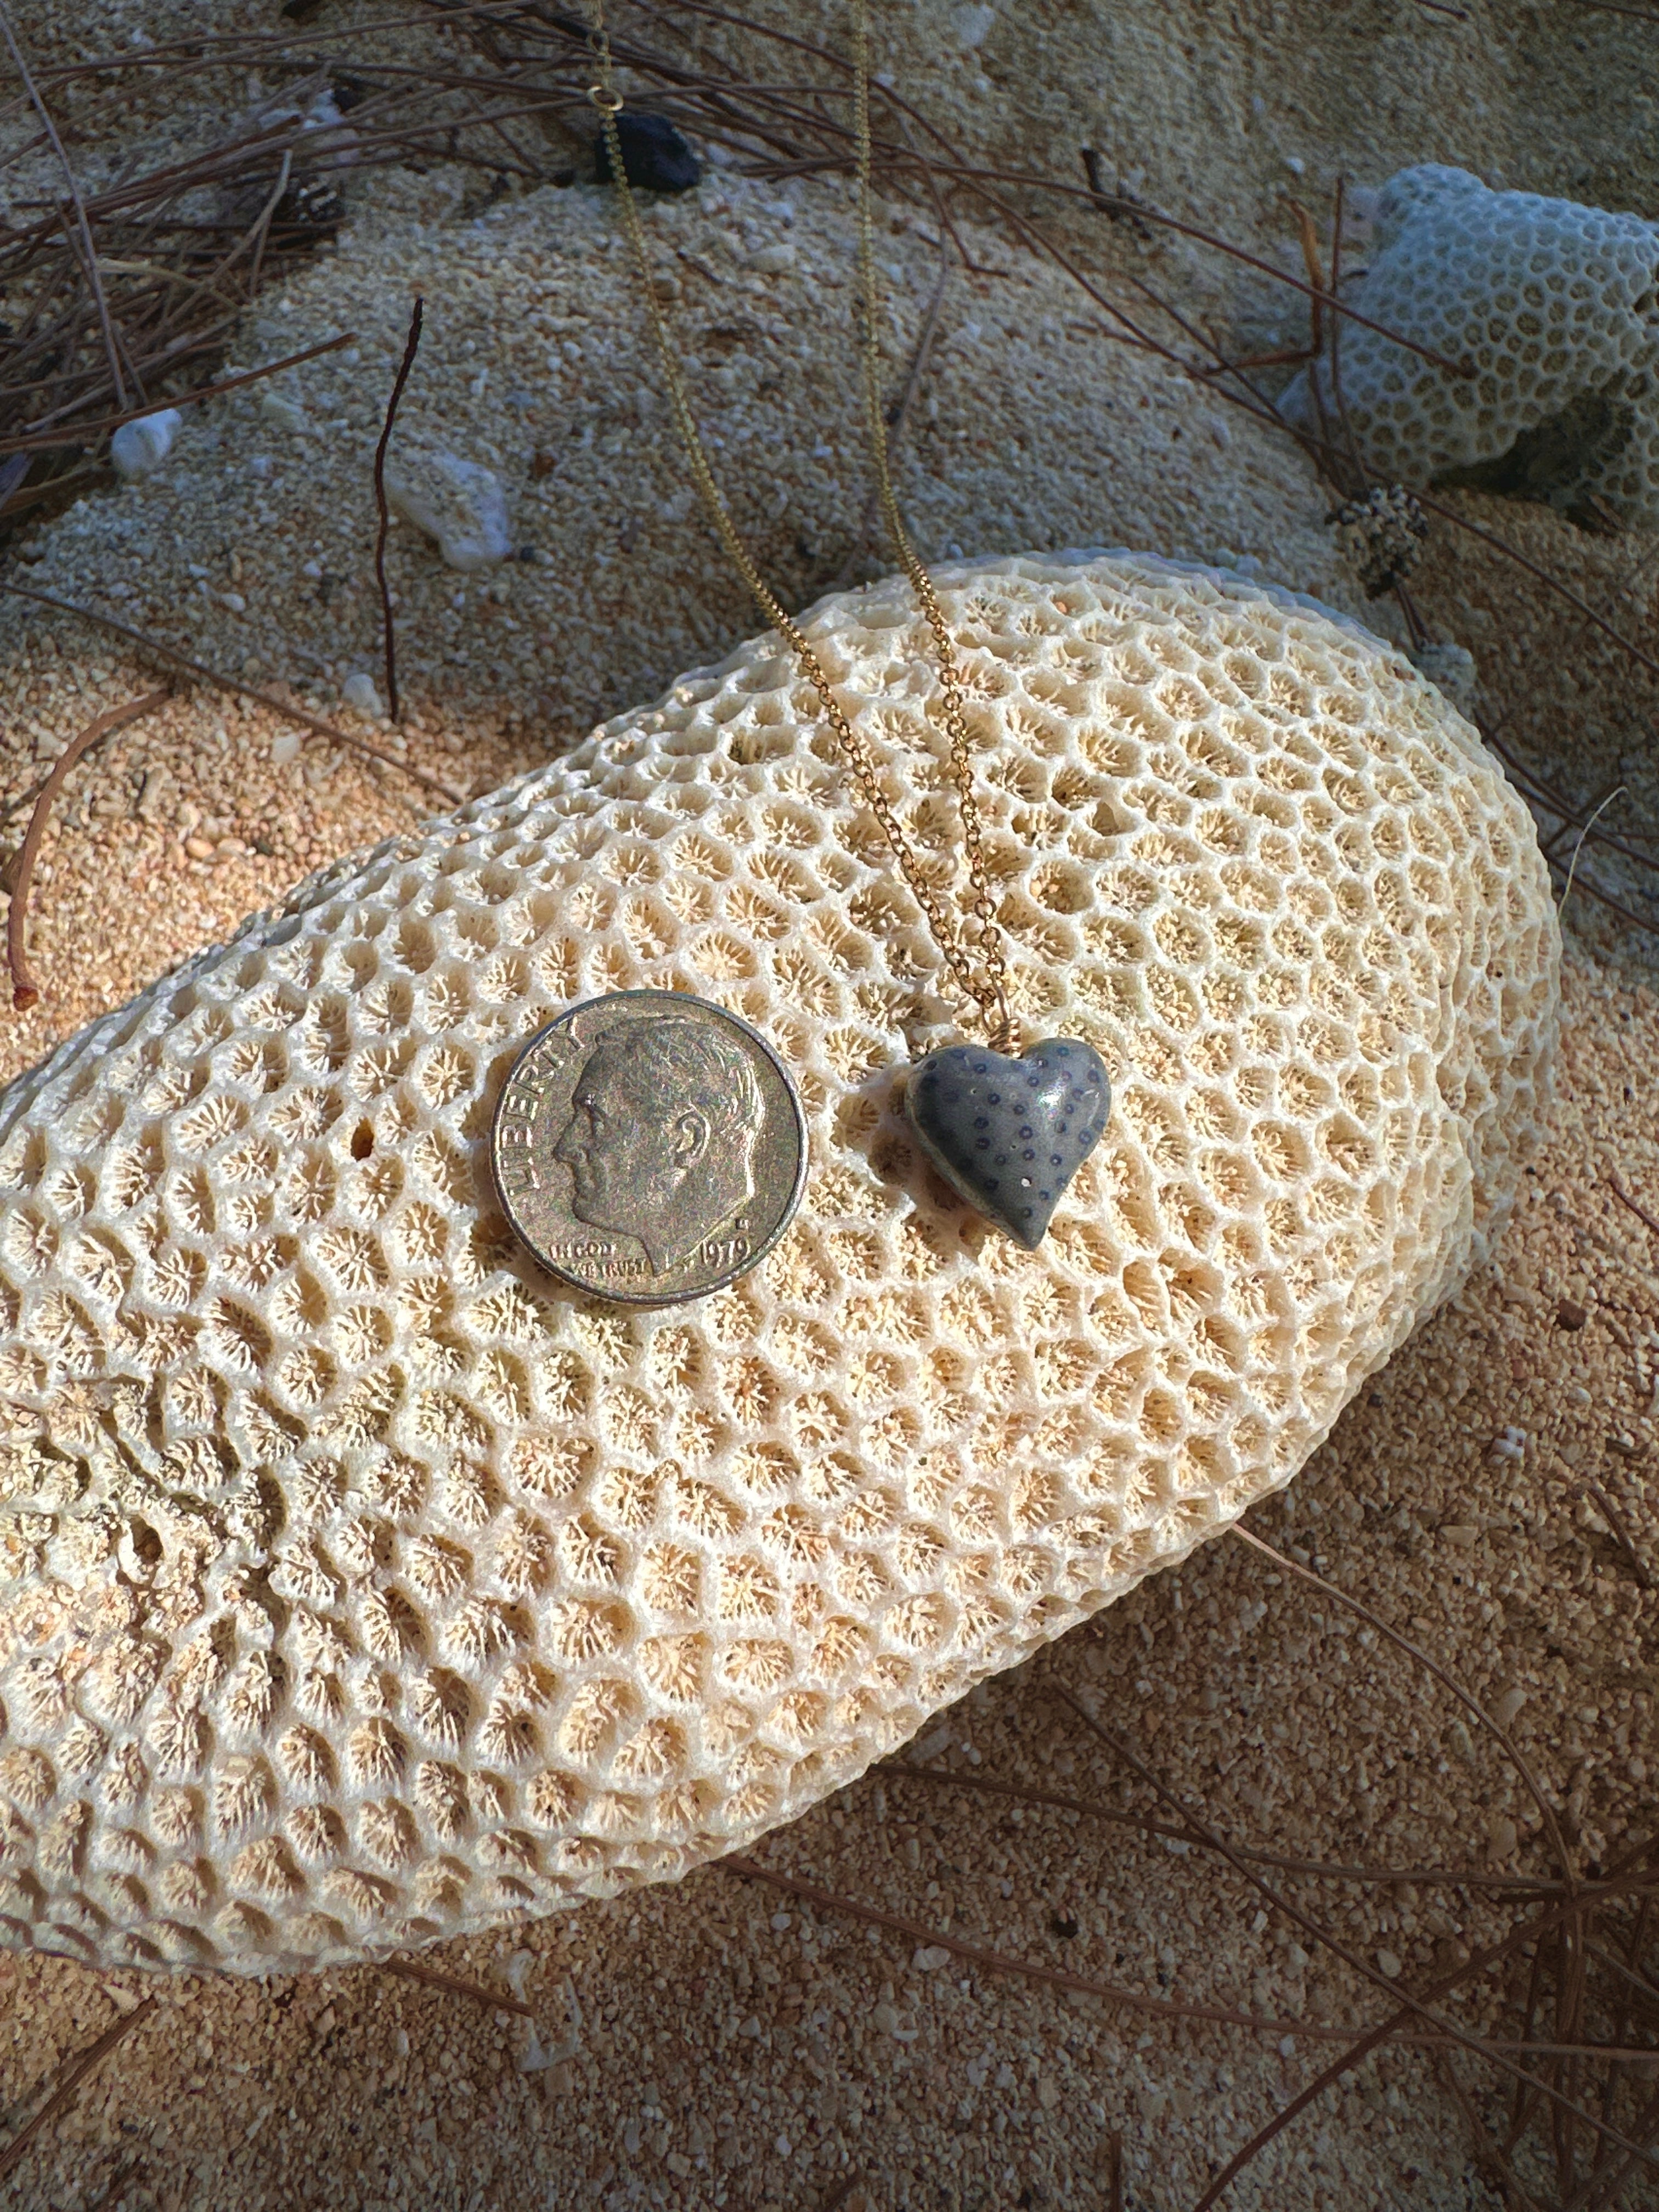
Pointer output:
x,y
364,1589
460,504
1556,306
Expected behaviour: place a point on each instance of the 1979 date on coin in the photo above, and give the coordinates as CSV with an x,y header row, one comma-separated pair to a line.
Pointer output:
x,y
648,1148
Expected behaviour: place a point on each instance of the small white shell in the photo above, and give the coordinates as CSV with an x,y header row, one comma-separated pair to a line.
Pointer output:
x,y
287,414
358,691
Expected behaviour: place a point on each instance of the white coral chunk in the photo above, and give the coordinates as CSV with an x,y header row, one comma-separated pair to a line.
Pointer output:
x,y
450,1589
1555,308
460,504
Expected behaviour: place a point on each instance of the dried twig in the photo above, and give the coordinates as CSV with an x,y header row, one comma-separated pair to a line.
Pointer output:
x,y
89,252
228,683
64,2095
435,1978
1032,1970
1421,2006
410,349
119,2182
1618,792
85,431
1634,1204
1525,1886
25,991
1589,1487
1470,1704
1397,2029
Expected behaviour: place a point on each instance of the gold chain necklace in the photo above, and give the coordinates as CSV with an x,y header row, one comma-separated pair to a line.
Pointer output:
x,y
988,989
1006,1129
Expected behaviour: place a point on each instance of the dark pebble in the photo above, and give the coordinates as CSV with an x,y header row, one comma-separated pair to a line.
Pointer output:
x,y
655,157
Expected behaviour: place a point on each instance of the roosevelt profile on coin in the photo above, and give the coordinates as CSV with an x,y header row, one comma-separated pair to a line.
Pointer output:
x,y
682,1173
648,1146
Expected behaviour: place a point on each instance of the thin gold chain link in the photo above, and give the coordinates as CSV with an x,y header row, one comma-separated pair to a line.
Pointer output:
x,y
988,990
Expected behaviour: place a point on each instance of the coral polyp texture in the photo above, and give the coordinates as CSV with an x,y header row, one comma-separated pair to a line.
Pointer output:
x,y
363,1588
1554,306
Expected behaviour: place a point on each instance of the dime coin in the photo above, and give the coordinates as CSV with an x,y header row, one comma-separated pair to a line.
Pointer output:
x,y
648,1148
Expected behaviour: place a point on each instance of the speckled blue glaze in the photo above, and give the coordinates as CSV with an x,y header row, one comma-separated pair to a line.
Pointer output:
x,y
1008,1136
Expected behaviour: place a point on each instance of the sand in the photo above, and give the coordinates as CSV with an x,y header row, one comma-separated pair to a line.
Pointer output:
x,y
707,2033
253,545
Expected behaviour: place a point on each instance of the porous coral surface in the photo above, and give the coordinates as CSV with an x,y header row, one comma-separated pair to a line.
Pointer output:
x,y
365,1589
1555,308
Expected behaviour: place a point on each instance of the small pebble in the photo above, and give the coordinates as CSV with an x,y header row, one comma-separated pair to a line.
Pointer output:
x,y
1508,1706
655,157
287,414
359,691
138,449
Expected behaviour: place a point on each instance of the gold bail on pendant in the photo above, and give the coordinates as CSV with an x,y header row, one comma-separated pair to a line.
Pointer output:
x,y
1005,1033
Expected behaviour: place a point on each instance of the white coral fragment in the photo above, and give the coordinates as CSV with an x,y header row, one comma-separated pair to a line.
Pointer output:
x,y
367,1591
138,448
460,504
1554,308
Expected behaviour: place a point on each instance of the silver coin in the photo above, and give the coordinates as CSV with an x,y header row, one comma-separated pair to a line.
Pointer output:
x,y
648,1148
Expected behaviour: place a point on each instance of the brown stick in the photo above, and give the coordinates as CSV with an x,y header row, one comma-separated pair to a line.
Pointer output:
x,y
91,2058
1483,2147
1634,1204
228,683
89,249
25,991
1002,1962
1419,2006
1551,582
1526,1887
262,228
1470,1705
1588,1487
1625,1879
410,349
457,1987
1397,2028
27,443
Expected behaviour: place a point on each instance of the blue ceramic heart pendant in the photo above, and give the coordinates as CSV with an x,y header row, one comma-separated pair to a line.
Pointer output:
x,y
1008,1136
